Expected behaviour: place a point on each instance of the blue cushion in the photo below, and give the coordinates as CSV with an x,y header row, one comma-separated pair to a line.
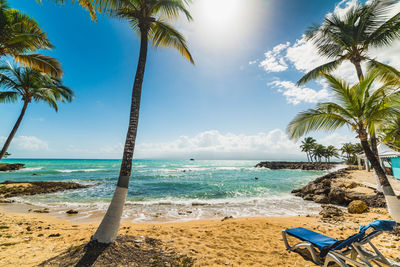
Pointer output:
x,y
318,240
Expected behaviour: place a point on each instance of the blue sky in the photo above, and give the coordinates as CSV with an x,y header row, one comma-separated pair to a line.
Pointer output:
x,y
235,103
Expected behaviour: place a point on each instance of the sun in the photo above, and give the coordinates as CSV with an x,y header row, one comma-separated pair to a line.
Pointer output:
x,y
220,22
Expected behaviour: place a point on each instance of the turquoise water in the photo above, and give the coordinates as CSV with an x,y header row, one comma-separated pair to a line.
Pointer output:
x,y
171,190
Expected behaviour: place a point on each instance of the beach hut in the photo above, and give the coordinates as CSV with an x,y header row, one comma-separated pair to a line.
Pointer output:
x,y
390,160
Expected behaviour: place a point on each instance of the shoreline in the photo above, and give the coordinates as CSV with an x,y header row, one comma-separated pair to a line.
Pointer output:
x,y
32,238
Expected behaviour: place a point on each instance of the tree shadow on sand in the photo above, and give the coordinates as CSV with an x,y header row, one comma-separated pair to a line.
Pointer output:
x,y
125,251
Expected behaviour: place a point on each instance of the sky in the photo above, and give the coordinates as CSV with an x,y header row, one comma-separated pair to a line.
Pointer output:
x,y
234,103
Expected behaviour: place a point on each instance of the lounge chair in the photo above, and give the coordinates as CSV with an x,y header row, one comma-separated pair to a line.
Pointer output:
x,y
342,252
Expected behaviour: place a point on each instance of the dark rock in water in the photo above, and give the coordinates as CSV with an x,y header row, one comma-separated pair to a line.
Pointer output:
x,y
277,165
329,211
33,188
191,159
357,207
5,167
71,212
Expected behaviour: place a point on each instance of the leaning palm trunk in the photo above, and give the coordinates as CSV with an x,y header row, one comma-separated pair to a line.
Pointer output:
x,y
108,229
392,201
14,130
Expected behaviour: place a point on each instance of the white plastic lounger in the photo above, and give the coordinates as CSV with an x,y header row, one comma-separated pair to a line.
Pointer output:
x,y
343,252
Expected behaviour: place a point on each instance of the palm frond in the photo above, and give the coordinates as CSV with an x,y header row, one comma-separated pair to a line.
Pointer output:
x,y
7,97
317,72
170,8
167,36
43,63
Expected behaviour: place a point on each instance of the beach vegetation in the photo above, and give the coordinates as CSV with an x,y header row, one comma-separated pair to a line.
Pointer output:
x,y
21,38
350,152
315,152
6,155
307,146
29,85
350,36
357,107
150,20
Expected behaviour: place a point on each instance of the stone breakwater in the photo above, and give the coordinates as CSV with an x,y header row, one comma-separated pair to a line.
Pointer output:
x,y
5,167
309,166
13,189
325,190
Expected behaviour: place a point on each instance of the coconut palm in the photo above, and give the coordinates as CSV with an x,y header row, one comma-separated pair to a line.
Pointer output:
x,y
307,145
21,38
29,85
349,37
318,152
149,19
331,152
357,107
347,148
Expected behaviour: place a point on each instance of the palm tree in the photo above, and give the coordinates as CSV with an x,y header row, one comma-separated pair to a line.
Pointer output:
x,y
307,145
357,107
7,155
347,148
349,37
149,19
318,152
21,37
331,152
29,85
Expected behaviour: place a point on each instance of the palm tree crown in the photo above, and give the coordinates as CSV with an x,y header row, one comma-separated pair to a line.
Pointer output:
x,y
32,85
151,17
21,37
349,37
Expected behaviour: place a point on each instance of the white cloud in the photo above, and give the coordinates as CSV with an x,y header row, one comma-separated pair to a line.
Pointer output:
x,y
26,143
295,95
274,60
253,62
215,145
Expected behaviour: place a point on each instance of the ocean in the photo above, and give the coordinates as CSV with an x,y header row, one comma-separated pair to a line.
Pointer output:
x,y
162,191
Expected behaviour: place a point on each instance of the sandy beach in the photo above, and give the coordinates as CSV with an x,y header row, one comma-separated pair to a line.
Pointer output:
x,y
27,239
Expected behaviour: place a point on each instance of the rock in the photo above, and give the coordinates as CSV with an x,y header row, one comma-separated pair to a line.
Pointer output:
x,y
357,207
322,199
277,165
373,201
337,196
55,235
45,210
71,212
226,218
329,211
6,201
308,197
5,167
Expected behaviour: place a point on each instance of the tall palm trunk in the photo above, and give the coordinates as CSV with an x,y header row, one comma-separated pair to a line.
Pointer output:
x,y
392,201
14,130
108,229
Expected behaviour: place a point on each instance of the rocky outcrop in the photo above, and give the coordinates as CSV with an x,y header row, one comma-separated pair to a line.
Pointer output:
x,y
5,167
329,211
322,191
313,166
13,189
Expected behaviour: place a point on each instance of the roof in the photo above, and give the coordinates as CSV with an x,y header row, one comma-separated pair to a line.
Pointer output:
x,y
384,152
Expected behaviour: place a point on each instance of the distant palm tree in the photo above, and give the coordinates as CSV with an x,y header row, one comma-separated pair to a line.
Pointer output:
x,y
29,85
307,146
21,37
357,107
7,155
349,37
331,152
347,148
149,19
318,152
